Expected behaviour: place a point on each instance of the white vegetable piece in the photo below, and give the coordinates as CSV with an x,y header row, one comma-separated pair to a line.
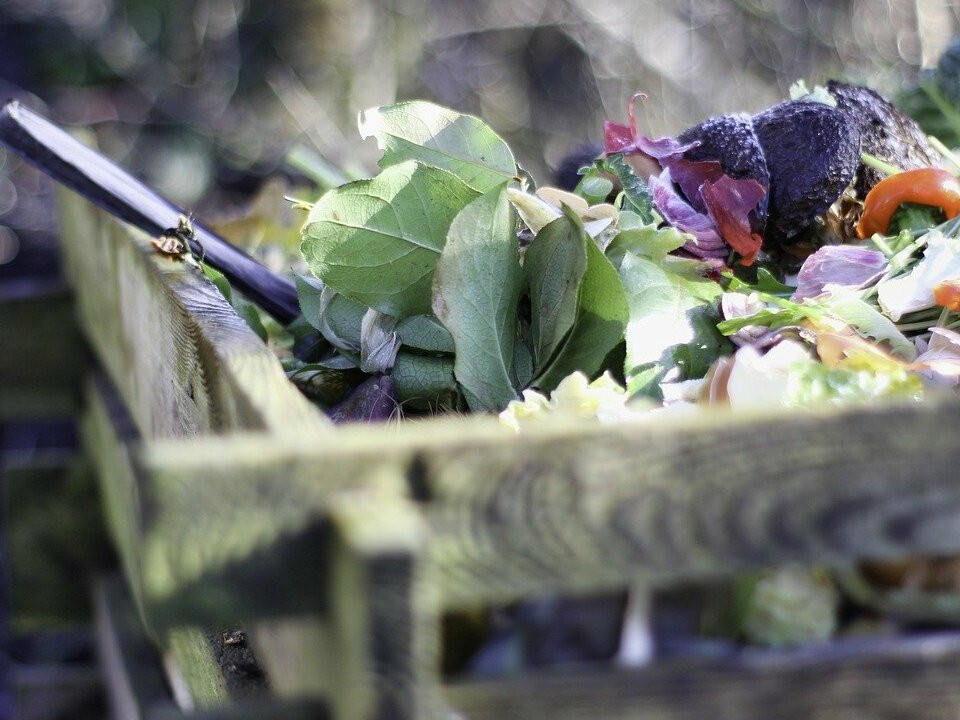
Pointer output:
x,y
914,291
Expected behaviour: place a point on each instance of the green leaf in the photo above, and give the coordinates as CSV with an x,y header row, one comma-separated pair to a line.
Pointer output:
x,y
338,319
248,311
785,312
377,241
657,311
218,279
437,136
764,283
424,382
309,290
601,318
241,306
426,334
914,216
647,240
522,365
554,264
767,283
672,324
475,293
594,188
636,194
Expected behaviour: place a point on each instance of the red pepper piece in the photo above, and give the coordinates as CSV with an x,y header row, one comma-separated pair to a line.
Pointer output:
x,y
924,186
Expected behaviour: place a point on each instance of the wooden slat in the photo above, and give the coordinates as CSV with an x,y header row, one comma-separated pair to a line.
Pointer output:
x,y
110,437
183,361
875,679
188,656
579,507
135,684
384,620
42,354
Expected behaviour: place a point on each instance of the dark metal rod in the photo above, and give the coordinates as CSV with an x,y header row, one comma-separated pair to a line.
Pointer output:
x,y
67,160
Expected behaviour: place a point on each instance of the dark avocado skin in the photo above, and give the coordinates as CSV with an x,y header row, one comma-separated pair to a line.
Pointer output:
x,y
731,140
812,152
886,133
804,153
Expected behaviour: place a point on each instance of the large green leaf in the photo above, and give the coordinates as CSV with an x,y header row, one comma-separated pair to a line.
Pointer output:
x,y
601,316
444,138
475,293
377,241
554,265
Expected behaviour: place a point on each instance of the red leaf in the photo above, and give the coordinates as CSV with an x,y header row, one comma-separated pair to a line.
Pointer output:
x,y
729,203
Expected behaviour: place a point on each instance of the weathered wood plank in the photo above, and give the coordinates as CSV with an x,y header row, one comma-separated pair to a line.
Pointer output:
x,y
188,657
110,437
183,361
876,679
42,354
135,685
383,645
579,507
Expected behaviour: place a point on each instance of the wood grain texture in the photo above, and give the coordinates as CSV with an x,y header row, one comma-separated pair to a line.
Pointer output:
x,y
135,684
183,361
582,507
880,679
42,354
187,653
110,438
384,620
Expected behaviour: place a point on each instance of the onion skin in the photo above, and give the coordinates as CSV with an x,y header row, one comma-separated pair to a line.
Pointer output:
x,y
924,186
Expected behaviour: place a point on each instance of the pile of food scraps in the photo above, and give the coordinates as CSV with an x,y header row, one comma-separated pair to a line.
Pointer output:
x,y
804,254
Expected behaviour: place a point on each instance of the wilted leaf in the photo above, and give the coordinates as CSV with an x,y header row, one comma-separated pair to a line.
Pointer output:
x,y
848,307
379,342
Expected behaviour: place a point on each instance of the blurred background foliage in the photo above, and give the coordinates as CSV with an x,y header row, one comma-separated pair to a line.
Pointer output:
x,y
206,99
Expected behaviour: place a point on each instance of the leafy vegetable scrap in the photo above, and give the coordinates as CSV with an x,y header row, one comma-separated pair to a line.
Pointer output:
x,y
446,283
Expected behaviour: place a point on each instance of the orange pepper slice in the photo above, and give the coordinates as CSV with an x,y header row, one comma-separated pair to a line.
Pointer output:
x,y
924,186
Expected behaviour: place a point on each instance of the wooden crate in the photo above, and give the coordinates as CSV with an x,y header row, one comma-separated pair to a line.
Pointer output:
x,y
231,499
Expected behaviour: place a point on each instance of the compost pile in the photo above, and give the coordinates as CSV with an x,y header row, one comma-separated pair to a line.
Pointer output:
x,y
806,254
